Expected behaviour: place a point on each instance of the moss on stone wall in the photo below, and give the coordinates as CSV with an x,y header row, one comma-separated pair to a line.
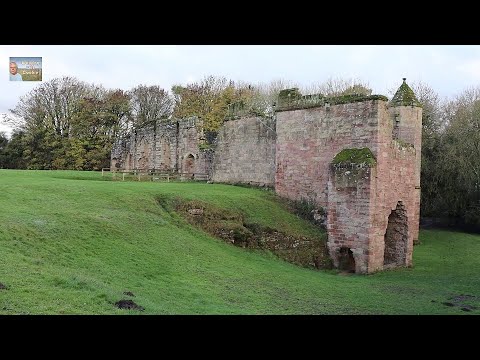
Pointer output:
x,y
203,147
239,109
355,156
405,96
346,99
289,94
403,143
310,101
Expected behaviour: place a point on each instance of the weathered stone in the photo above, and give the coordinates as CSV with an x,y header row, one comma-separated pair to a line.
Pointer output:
x,y
169,146
245,152
373,206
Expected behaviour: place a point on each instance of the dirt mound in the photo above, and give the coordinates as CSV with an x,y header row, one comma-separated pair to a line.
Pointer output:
x,y
460,301
129,305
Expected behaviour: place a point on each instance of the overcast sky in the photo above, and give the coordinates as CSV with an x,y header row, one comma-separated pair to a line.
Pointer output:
x,y
448,69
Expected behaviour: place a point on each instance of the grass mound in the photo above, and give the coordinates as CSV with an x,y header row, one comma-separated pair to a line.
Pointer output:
x,y
234,227
73,246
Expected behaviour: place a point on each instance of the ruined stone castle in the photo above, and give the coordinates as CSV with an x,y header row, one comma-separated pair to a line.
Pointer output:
x,y
356,156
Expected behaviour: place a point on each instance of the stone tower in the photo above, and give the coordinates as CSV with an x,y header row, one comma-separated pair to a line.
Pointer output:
x,y
374,192
407,114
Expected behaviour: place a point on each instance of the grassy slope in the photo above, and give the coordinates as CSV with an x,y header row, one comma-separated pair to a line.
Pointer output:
x,y
71,246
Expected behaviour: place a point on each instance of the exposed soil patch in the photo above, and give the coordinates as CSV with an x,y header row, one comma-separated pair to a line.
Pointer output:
x,y
346,273
232,227
462,298
129,305
128,293
3,287
460,301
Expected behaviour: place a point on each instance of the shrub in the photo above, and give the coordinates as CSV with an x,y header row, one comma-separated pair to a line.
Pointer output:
x,y
309,210
472,215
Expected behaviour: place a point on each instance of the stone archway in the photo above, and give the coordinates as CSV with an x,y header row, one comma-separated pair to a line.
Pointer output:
x,y
346,261
396,238
115,164
189,165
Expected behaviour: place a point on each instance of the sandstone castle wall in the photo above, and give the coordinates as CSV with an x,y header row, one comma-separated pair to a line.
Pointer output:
x,y
373,208
245,152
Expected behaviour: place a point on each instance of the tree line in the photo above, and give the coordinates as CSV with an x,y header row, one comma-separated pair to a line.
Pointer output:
x,y
66,123
450,173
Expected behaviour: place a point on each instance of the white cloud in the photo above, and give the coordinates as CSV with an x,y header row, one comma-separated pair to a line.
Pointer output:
x,y
190,79
470,68
5,128
362,55
448,69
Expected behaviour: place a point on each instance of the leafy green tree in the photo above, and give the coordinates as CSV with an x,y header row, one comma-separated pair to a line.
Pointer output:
x,y
68,124
433,124
102,116
3,145
209,99
11,157
461,164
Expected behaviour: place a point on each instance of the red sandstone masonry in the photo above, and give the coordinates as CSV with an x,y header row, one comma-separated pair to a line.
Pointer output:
x,y
246,152
295,154
357,210
308,140
165,148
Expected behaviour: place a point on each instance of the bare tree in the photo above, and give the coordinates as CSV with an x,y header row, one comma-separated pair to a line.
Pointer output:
x,y
149,104
50,105
264,95
433,119
339,86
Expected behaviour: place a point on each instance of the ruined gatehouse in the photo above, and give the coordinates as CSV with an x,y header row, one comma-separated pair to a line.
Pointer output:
x,y
356,156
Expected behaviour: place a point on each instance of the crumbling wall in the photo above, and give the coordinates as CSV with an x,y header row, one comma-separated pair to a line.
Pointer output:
x,y
349,210
204,165
396,238
245,152
397,180
295,152
166,146
120,153
308,139
163,147
188,136
358,213
144,148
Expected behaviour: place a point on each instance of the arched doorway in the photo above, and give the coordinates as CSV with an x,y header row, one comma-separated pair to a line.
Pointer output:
x,y
189,166
115,164
396,238
346,261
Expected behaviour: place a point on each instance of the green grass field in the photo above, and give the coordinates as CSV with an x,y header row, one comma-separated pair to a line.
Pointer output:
x,y
73,243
